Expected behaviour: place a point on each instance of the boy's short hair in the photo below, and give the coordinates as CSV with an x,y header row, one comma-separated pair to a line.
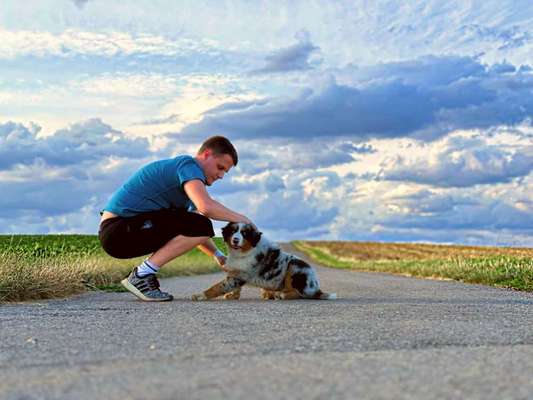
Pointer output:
x,y
220,145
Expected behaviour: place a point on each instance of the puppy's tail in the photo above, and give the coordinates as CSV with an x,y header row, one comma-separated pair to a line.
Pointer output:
x,y
325,296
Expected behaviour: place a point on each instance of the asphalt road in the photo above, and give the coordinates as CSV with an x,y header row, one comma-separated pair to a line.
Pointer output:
x,y
386,337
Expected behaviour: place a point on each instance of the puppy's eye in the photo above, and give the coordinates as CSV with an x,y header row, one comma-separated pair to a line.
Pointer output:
x,y
246,232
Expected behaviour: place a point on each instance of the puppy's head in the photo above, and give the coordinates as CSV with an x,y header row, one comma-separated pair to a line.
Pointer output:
x,y
240,237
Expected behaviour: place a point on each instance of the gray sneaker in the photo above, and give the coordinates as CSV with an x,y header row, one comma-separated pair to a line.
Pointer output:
x,y
145,288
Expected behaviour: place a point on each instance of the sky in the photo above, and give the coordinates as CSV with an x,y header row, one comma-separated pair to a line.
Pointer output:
x,y
390,121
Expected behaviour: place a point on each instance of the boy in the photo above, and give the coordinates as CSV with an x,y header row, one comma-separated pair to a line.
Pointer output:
x,y
165,209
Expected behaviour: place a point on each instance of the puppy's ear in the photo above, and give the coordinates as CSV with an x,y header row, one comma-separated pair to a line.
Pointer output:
x,y
255,237
227,231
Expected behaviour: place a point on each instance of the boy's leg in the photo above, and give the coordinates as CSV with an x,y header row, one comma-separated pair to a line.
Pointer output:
x,y
172,231
146,287
174,248
168,235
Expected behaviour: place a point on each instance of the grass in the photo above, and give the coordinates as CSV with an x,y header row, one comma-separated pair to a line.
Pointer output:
x,y
37,267
496,266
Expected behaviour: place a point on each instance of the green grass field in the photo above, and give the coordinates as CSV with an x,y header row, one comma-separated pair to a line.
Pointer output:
x,y
47,266
496,266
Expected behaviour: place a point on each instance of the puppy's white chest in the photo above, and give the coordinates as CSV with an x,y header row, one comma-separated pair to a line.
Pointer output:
x,y
240,265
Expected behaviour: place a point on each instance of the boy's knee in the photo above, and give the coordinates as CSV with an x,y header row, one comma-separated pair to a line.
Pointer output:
x,y
200,226
207,227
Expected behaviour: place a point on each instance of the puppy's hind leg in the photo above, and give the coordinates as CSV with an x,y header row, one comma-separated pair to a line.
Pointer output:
x,y
320,295
290,295
218,289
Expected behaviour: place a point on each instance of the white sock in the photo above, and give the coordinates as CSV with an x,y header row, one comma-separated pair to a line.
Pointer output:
x,y
147,268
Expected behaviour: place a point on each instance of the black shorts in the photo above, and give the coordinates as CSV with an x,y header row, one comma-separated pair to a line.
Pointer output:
x,y
128,237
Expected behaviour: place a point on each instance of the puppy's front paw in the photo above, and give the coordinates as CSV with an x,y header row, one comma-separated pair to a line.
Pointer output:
x,y
278,296
198,297
268,294
232,296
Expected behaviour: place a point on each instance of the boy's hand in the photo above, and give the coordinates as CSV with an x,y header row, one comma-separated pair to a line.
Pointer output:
x,y
249,221
221,261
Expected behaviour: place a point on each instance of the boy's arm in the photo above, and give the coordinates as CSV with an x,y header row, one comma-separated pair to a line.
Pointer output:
x,y
209,207
210,248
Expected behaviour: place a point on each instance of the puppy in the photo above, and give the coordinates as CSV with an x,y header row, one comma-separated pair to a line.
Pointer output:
x,y
256,261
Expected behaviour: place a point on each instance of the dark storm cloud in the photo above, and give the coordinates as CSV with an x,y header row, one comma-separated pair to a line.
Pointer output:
x,y
292,58
424,98
80,3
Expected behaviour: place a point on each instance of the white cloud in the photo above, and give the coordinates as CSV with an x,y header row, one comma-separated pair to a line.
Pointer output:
x,y
346,31
128,85
388,211
88,140
461,160
196,96
72,42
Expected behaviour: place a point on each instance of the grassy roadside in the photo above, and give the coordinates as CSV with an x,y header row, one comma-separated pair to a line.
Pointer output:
x,y
37,267
510,268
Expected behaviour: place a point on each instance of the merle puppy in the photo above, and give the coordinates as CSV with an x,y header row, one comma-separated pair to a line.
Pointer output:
x,y
256,261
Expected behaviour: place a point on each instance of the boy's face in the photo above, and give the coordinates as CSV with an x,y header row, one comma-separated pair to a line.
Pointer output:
x,y
216,166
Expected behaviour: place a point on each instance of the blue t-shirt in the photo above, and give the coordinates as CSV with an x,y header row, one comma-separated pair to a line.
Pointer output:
x,y
156,186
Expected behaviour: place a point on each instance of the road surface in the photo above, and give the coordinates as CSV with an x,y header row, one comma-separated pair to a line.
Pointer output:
x,y
386,337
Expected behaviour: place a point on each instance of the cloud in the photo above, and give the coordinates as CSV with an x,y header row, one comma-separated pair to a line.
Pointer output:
x,y
311,128
424,98
485,213
392,211
507,38
284,204
233,183
163,120
291,212
65,177
278,156
56,193
91,140
457,161
80,3
71,43
50,197
128,85
41,195
292,58
360,149
337,111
